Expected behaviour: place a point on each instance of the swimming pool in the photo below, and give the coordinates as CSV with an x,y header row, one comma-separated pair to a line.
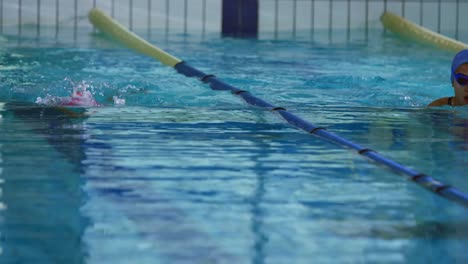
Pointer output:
x,y
184,174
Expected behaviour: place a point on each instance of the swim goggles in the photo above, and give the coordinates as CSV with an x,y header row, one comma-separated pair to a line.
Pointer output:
x,y
461,78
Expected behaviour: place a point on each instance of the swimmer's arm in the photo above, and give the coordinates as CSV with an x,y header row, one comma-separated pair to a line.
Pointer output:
x,y
440,102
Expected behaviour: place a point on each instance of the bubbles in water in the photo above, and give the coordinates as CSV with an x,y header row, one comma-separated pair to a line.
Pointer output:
x,y
118,101
48,100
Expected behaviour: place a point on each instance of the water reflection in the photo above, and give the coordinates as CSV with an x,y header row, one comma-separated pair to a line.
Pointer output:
x,y
453,122
425,230
459,127
40,190
431,241
155,200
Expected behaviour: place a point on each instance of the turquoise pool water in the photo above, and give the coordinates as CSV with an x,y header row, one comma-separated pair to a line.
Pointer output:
x,y
184,174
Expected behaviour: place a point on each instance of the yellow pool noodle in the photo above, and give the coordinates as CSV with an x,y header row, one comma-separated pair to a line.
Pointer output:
x,y
410,30
115,30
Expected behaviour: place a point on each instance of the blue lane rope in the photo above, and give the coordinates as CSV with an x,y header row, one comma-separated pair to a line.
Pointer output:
x,y
114,29
423,180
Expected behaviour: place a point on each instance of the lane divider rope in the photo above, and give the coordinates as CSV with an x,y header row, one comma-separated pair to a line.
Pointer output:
x,y
407,29
112,28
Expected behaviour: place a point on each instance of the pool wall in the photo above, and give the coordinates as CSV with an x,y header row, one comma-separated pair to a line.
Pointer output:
x,y
202,16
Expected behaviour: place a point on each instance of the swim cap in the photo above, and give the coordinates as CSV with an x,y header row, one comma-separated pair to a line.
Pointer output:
x,y
458,60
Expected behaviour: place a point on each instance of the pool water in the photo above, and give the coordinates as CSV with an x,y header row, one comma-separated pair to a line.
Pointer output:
x,y
178,173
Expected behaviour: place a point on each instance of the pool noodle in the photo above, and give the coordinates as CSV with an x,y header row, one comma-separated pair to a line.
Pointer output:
x,y
410,30
107,25
112,28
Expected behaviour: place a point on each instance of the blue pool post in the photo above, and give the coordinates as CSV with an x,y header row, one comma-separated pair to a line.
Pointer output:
x,y
240,18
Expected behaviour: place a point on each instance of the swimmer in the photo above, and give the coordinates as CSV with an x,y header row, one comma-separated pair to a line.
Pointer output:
x,y
80,97
459,80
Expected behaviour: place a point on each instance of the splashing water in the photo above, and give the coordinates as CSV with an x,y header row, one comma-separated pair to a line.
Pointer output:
x,y
118,101
80,96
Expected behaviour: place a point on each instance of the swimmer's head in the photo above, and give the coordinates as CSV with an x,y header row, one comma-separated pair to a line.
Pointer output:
x,y
459,59
460,78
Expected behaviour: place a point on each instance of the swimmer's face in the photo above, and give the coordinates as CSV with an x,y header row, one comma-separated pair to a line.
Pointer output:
x,y
461,91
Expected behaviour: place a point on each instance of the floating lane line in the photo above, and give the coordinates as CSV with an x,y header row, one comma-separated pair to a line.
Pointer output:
x,y
410,30
115,30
